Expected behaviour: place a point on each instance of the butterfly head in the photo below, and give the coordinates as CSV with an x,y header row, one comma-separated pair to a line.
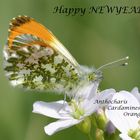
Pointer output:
x,y
95,76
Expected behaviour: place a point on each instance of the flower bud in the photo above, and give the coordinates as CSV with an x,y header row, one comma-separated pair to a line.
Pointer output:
x,y
110,128
85,125
101,119
99,134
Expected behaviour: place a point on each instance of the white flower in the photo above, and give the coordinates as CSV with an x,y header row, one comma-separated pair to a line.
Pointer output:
x,y
124,118
74,112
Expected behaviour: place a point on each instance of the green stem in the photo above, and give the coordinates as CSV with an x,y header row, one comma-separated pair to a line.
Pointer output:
x,y
90,137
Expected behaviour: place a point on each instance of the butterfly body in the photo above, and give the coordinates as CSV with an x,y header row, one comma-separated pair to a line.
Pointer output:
x,y
35,59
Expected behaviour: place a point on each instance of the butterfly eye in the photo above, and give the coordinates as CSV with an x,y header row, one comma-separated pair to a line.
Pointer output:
x,y
91,76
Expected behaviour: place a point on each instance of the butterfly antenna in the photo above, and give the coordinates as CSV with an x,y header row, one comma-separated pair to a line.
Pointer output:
x,y
115,62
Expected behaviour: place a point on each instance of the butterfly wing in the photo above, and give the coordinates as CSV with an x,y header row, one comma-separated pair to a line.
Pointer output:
x,y
35,59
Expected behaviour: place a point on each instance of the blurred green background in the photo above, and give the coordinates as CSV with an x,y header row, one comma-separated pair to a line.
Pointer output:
x,y
92,39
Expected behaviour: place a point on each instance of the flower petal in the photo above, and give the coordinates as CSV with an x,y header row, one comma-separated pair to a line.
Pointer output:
x,y
58,109
108,91
60,125
93,91
135,92
104,96
89,107
87,91
117,117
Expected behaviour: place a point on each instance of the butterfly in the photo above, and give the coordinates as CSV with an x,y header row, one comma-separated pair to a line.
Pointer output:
x,y
35,59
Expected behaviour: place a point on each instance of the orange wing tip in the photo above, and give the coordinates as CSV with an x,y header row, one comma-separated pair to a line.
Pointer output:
x,y
27,25
18,21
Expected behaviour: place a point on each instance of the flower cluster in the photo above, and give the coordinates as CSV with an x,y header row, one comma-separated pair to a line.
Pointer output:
x,y
108,114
